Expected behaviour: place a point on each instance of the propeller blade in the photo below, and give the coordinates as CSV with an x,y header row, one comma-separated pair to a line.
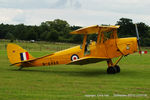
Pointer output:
x,y
138,38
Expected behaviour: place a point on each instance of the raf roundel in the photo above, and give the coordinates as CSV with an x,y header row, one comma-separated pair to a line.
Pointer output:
x,y
74,57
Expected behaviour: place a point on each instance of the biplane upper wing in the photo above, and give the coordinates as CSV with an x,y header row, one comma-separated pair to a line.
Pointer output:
x,y
87,60
94,29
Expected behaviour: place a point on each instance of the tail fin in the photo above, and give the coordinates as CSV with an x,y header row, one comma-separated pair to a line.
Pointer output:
x,y
17,54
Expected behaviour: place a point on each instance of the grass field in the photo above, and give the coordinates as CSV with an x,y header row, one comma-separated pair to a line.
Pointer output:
x,y
89,82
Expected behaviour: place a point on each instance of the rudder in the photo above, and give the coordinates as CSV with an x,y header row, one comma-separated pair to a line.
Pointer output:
x,y
17,54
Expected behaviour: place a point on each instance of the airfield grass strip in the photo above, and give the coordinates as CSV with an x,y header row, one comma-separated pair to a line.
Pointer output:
x,y
72,82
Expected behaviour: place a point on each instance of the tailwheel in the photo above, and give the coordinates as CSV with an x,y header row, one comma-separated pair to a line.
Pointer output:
x,y
20,68
111,70
117,68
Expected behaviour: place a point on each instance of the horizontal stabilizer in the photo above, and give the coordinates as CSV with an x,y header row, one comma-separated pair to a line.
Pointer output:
x,y
28,62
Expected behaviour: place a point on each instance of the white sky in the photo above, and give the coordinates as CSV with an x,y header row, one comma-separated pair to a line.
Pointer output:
x,y
75,12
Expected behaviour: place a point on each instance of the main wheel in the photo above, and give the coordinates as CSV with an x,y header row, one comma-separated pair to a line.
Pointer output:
x,y
111,70
117,68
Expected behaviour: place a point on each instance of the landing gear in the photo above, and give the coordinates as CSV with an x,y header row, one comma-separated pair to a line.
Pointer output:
x,y
113,70
113,67
117,68
20,68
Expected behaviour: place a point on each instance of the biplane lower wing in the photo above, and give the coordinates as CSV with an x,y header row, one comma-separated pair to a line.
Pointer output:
x,y
87,60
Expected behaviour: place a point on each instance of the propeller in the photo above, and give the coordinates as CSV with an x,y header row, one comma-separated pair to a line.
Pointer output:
x,y
138,38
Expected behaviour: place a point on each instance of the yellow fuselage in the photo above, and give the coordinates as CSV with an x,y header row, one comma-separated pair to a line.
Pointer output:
x,y
109,49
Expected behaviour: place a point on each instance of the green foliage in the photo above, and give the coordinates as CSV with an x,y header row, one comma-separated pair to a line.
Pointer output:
x,y
127,29
77,38
58,31
146,41
31,34
10,36
54,35
50,36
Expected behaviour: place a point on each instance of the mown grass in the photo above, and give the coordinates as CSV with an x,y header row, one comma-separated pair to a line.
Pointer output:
x,y
75,82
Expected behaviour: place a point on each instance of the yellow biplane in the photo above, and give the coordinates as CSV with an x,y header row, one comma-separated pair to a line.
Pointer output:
x,y
105,48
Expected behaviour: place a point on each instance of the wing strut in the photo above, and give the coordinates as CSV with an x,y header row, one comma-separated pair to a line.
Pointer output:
x,y
84,44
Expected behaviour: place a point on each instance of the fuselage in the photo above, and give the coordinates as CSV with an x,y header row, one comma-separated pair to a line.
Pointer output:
x,y
108,49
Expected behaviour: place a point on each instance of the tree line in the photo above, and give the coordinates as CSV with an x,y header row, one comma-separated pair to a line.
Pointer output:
x,y
58,31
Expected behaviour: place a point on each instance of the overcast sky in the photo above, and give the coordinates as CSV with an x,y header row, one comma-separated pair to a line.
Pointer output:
x,y
75,12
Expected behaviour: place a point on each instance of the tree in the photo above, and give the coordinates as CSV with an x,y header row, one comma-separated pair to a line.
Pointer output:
x,y
43,36
54,35
19,31
50,36
10,36
76,38
144,33
127,28
4,29
143,30
60,26
31,34
59,30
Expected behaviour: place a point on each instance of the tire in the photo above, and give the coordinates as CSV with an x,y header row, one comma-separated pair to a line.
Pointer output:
x,y
111,70
117,68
